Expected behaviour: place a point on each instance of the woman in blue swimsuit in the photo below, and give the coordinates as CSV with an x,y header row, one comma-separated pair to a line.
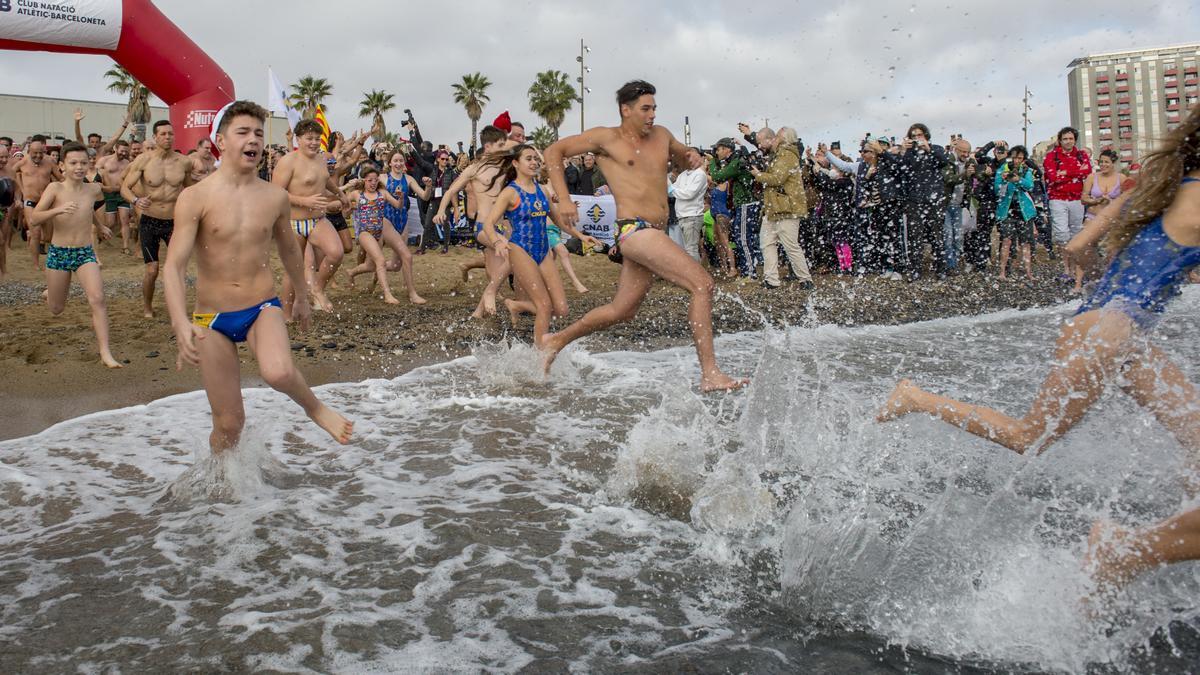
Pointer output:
x,y
373,231
527,246
1153,235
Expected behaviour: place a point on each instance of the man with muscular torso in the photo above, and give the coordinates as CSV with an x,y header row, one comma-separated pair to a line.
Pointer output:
x,y
163,174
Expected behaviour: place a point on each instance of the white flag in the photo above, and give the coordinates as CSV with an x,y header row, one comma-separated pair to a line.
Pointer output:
x,y
277,99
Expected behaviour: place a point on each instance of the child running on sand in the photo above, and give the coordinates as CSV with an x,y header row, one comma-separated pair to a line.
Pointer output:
x,y
1155,244
230,220
70,207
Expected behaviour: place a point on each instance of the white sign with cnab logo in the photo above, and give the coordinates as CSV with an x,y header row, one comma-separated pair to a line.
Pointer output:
x,y
596,216
95,24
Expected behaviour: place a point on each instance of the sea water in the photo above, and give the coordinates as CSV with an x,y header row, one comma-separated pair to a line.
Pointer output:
x,y
606,518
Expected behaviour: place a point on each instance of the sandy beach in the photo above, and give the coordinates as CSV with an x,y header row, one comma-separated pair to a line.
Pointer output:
x,y
51,371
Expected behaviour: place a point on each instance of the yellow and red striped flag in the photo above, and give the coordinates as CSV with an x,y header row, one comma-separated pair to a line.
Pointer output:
x,y
320,117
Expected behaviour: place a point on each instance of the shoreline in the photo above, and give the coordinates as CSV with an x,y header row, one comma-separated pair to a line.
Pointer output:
x,y
52,374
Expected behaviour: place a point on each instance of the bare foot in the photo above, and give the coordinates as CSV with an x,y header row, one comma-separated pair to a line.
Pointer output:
x,y
466,272
551,346
416,299
147,313
331,421
580,288
350,279
899,404
391,300
109,361
489,303
718,381
514,315
321,301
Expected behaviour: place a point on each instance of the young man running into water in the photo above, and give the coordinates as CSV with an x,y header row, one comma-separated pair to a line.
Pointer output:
x,y
70,205
116,210
162,173
231,220
303,173
634,158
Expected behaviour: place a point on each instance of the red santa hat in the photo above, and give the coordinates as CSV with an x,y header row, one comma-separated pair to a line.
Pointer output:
x,y
503,122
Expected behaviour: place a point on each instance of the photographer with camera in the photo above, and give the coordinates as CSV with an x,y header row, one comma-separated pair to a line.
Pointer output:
x,y
732,163
921,163
956,176
785,203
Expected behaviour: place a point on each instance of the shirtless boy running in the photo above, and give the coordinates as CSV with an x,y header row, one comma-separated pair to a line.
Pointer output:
x,y
163,173
230,220
70,205
634,159
481,195
304,175
34,173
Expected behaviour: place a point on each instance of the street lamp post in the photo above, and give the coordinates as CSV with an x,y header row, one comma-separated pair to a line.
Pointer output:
x,y
583,69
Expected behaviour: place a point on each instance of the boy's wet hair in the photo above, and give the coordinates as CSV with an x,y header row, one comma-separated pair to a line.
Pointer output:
x,y
70,147
304,127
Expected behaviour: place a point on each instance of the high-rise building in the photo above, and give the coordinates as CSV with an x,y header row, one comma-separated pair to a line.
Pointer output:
x,y
1128,100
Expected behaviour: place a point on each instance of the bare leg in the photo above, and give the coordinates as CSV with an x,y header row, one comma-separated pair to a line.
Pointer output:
x,y
1027,258
58,284
1090,349
123,219
1117,556
1159,386
465,268
221,375
1004,248
149,276
396,242
564,256
93,287
651,252
375,255
530,279
325,239
5,235
288,296
724,253
268,338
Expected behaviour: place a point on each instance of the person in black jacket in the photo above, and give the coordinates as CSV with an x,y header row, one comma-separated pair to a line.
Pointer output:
x,y
921,163
442,176
981,190
585,179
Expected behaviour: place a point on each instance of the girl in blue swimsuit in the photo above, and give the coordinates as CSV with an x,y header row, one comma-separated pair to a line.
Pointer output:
x,y
1153,236
527,247
399,184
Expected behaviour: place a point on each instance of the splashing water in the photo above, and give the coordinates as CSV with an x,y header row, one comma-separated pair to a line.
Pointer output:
x,y
606,518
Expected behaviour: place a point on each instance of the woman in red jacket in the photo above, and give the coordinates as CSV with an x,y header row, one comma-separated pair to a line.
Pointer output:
x,y
1065,168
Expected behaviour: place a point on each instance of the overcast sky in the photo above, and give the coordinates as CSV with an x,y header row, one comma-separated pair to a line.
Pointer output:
x,y
832,70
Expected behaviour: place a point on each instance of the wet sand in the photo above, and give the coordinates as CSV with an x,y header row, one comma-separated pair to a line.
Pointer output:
x,y
51,371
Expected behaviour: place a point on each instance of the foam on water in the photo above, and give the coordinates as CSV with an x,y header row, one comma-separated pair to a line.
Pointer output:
x,y
606,517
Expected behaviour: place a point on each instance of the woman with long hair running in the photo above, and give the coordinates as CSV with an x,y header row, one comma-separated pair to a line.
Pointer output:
x,y
1153,236
527,247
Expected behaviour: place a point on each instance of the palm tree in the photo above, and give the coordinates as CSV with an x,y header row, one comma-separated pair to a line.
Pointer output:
x,y
551,96
542,137
310,92
373,105
122,82
472,94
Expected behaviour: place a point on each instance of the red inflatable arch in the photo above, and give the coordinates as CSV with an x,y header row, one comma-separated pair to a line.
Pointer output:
x,y
137,36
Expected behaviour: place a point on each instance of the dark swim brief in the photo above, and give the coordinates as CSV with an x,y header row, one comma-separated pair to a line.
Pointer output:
x,y
114,201
338,221
622,230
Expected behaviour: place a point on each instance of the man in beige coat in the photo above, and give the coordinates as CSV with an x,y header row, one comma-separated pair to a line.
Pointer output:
x,y
784,204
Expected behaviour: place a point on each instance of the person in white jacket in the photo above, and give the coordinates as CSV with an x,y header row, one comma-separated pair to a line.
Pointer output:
x,y
689,190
